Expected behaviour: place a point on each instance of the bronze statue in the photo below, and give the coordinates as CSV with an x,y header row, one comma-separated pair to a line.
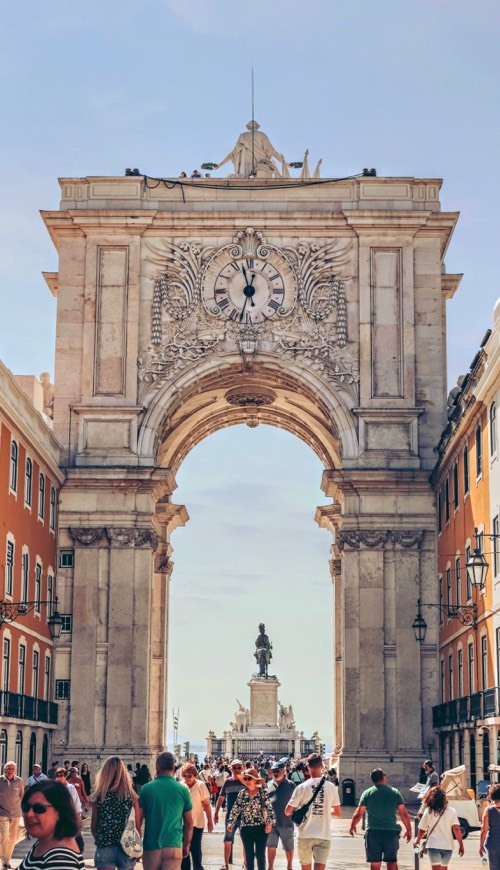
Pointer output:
x,y
263,654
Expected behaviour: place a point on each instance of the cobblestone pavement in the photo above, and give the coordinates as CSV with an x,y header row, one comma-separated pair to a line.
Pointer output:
x,y
346,853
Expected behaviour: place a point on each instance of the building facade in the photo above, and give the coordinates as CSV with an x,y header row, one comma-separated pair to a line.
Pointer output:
x,y
467,486
30,481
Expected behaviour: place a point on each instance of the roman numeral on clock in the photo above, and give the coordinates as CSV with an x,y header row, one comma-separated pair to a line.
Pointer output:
x,y
273,304
223,303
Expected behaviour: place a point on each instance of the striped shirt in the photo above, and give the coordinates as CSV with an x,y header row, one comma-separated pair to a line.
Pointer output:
x,y
55,859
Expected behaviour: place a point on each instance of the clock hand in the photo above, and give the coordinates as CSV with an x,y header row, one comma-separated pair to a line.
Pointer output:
x,y
243,309
244,273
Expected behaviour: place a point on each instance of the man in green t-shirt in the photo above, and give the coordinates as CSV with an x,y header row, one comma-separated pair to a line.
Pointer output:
x,y
382,830
166,806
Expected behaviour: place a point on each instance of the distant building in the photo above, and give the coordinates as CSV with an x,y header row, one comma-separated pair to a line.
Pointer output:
x,y
29,486
466,481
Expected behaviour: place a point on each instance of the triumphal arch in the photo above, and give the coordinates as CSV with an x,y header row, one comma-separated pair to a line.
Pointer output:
x,y
186,305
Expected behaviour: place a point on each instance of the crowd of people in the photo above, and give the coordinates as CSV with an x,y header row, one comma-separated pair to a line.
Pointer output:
x,y
266,800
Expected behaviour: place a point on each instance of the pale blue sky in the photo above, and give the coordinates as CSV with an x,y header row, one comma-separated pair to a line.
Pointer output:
x,y
411,88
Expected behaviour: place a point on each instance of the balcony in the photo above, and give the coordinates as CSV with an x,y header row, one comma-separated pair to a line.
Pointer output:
x,y
480,705
14,706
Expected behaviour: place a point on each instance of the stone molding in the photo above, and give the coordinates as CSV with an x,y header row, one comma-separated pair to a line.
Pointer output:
x,y
375,538
162,563
121,537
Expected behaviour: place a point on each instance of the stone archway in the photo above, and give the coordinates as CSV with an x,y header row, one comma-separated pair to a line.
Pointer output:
x,y
338,338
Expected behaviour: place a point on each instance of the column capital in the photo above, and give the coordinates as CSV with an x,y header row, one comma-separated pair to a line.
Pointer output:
x,y
86,536
130,537
356,539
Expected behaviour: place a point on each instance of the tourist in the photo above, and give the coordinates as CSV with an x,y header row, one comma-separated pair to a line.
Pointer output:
x,y
112,801
61,776
206,775
314,836
87,779
280,791
195,174
200,799
51,773
166,806
490,829
439,824
253,811
183,175
142,776
50,818
297,775
76,781
36,775
228,793
432,777
11,793
381,802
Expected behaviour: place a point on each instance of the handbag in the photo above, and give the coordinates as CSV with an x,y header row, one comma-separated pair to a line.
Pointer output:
x,y
131,840
300,813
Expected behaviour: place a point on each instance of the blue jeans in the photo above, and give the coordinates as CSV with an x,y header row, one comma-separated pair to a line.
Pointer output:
x,y
113,856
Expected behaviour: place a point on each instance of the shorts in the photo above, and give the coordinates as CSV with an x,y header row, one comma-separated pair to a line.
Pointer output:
x,y
381,846
313,847
440,856
229,835
283,834
113,856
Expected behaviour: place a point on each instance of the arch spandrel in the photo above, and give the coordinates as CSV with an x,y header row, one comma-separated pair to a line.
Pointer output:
x,y
226,393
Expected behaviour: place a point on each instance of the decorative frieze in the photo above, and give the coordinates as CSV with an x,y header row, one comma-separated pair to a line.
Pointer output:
x,y
374,538
408,539
119,537
86,537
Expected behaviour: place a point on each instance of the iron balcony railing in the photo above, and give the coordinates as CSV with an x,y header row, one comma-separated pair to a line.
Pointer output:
x,y
15,706
480,705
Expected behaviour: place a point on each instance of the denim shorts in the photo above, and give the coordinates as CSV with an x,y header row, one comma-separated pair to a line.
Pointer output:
x,y
440,856
113,856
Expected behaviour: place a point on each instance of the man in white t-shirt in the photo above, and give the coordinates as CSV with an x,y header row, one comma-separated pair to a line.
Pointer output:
x,y
314,837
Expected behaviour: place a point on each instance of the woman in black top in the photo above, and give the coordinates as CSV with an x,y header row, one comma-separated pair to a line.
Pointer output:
x,y
112,802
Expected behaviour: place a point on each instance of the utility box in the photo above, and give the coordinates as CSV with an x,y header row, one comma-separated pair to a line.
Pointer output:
x,y
348,793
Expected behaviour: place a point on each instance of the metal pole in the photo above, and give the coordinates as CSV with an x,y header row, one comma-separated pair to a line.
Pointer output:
x,y
416,854
253,127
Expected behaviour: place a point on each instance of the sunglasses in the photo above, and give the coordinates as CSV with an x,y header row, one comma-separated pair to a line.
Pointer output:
x,y
39,809
238,767
277,772
249,779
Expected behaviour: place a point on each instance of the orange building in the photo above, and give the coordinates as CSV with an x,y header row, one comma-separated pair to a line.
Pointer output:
x,y
29,487
467,718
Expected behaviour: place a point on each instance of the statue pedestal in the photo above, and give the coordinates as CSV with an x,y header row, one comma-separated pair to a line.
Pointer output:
x,y
263,706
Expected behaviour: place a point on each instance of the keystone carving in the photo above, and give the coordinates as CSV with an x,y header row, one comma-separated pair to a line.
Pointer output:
x,y
86,537
127,537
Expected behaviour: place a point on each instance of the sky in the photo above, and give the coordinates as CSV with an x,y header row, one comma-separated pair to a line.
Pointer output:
x,y
410,88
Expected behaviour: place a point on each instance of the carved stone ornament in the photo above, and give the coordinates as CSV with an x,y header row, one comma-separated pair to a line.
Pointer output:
x,y
358,538
126,537
407,539
86,537
310,328
244,399
161,563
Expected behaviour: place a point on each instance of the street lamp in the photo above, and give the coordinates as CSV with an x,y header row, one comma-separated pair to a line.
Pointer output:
x,y
466,615
11,610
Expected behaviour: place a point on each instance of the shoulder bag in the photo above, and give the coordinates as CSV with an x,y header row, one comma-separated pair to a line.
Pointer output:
x,y
300,813
131,840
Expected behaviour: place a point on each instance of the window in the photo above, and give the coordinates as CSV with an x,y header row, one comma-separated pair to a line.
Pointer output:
x,y
442,680
3,748
466,470
67,623
447,499
455,486
67,558
46,683
460,674
6,664
450,677
496,545
448,588
14,456
470,667
440,513
468,593
9,568
484,661
28,482
493,429
52,513
25,582
479,451
38,587
36,665
19,753
62,690
440,600
21,669
50,594
458,581
41,496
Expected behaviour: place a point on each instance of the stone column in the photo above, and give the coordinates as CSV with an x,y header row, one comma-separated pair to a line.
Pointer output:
x,y
467,755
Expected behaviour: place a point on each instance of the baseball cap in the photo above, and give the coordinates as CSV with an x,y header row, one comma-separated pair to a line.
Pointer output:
x,y
278,765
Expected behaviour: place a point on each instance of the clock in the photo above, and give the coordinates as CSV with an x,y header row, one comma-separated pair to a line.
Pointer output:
x,y
249,289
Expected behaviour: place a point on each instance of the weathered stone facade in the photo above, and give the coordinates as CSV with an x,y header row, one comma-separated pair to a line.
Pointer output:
x,y
187,307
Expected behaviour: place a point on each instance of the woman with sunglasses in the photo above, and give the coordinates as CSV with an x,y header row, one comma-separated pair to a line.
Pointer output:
x,y
50,818
200,799
112,801
253,809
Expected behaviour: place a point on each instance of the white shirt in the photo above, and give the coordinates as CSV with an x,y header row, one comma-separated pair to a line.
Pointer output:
x,y
441,836
199,793
74,794
317,822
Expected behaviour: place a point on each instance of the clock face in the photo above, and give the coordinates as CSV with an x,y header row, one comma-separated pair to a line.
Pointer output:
x,y
249,290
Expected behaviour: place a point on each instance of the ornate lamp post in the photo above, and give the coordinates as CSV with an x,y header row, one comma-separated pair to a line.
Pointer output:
x,y
466,614
11,610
